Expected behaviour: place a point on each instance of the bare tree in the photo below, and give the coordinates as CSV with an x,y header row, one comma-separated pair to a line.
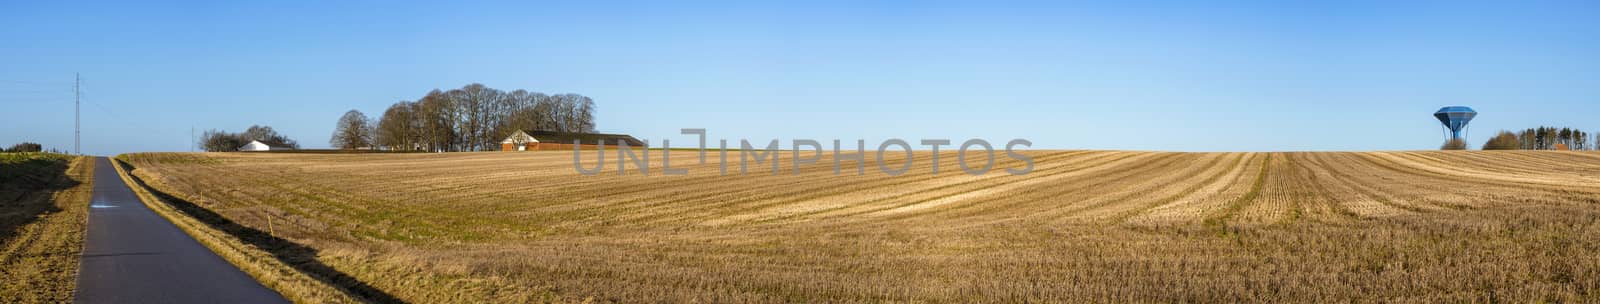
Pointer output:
x,y
477,105
568,111
218,141
1580,140
353,131
1527,140
1564,137
267,135
545,113
399,128
585,115
436,115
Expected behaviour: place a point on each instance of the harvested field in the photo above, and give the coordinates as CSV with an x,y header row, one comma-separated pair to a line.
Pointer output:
x,y
1084,226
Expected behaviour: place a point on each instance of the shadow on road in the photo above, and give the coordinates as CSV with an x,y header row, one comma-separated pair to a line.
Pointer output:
x,y
300,257
27,188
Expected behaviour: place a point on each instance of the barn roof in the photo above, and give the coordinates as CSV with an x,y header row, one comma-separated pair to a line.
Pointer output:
x,y
584,138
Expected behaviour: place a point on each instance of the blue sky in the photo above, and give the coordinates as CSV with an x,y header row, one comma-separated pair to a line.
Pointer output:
x,y
1182,75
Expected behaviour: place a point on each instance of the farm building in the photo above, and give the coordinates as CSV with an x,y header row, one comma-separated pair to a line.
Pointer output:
x,y
546,140
256,145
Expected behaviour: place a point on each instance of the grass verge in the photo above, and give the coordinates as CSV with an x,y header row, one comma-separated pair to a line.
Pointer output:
x,y
44,202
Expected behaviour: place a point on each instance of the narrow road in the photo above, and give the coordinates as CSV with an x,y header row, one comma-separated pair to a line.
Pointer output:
x,y
133,255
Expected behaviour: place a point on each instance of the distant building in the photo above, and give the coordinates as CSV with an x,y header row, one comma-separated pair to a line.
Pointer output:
x,y
1455,119
256,145
546,140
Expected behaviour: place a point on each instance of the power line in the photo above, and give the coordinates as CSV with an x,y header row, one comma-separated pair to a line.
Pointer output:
x,y
112,116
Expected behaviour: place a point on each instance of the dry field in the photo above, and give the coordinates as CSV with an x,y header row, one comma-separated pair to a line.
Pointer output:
x,y
1084,226
44,202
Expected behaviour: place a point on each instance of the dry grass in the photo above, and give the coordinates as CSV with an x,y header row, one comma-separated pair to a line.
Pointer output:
x,y
1085,226
44,202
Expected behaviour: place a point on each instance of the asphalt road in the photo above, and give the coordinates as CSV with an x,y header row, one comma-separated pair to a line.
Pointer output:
x,y
133,255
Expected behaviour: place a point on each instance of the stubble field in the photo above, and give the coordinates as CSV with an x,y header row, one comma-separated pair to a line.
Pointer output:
x,y
1083,226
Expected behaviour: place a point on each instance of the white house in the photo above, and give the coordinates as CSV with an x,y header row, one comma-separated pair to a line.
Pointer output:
x,y
256,145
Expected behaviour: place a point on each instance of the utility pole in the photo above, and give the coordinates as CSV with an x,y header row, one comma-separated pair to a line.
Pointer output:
x,y
77,109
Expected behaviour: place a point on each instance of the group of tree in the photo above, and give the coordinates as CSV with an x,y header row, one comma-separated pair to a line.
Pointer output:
x,y
223,141
1542,138
25,147
471,118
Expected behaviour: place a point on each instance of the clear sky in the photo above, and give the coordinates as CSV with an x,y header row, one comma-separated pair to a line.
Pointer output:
x,y
1181,75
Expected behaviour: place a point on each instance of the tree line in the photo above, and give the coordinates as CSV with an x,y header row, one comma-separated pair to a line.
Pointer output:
x,y
1542,138
24,147
471,118
223,141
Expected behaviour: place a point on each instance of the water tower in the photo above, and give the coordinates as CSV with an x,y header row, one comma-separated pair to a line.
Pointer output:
x,y
1455,119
